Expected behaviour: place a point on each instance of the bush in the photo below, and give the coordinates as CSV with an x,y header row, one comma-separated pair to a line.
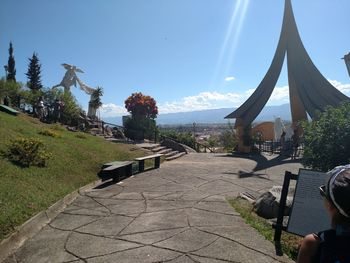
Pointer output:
x,y
57,127
140,128
50,133
10,89
327,139
71,110
26,152
81,136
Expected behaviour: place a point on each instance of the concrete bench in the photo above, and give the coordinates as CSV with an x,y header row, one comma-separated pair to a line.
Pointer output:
x,y
115,170
141,161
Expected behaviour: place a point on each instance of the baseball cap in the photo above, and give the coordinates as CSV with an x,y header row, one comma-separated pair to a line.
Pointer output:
x,y
337,190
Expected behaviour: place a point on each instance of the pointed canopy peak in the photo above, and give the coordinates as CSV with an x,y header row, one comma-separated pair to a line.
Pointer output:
x,y
309,90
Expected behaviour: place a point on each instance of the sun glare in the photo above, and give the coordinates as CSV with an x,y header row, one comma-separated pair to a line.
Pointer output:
x,y
229,45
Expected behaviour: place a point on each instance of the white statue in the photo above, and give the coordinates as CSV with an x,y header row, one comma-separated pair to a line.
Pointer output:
x,y
281,127
70,78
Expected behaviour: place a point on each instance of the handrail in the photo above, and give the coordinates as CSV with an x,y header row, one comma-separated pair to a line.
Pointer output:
x,y
196,145
205,147
115,125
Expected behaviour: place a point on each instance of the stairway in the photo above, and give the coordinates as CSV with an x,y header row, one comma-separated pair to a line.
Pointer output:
x,y
168,153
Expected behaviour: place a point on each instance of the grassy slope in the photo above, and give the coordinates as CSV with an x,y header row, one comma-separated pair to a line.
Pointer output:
x,y
75,162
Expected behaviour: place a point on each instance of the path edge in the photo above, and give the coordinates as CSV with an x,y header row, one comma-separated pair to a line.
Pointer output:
x,y
34,224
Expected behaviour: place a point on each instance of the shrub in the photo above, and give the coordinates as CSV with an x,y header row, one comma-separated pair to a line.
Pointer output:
x,y
327,139
57,127
81,136
10,89
50,133
26,152
71,109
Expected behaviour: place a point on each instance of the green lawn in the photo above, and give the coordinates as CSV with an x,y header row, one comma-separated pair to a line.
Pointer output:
x,y
75,162
289,242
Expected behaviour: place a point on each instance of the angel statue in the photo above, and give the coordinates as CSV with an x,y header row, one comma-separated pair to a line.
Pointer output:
x,y
347,61
70,78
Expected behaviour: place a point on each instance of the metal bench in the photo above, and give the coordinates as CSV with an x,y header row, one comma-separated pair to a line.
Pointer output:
x,y
141,161
115,170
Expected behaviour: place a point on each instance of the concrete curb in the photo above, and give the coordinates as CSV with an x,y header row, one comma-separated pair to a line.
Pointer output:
x,y
33,225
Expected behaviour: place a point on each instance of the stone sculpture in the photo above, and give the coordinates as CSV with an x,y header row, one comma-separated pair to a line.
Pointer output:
x,y
309,90
347,61
71,79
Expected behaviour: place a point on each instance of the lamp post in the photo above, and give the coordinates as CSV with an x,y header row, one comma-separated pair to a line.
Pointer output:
x,y
6,70
194,135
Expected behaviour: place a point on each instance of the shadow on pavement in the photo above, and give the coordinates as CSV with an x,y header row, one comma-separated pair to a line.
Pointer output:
x,y
262,162
105,184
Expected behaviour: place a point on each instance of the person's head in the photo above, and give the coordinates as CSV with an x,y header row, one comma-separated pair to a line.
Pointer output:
x,y
337,194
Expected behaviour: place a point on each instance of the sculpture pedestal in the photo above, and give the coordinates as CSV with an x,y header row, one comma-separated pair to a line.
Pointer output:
x,y
242,148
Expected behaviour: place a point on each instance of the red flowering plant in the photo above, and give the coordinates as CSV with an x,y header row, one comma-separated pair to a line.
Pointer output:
x,y
140,105
143,110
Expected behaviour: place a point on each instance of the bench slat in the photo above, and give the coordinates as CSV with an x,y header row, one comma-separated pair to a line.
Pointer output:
x,y
148,157
141,161
116,163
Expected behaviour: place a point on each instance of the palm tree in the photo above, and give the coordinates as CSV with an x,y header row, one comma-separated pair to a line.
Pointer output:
x,y
96,95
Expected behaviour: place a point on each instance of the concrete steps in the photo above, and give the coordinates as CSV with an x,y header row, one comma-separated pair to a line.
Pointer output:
x,y
175,156
165,151
158,149
168,153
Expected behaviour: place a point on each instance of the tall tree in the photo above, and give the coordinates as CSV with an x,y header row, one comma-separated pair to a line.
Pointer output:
x,y
34,73
11,65
143,110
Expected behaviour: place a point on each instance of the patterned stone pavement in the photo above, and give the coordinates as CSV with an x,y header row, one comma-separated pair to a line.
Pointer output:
x,y
177,213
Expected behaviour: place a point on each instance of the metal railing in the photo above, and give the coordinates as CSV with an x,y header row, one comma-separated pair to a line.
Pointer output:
x,y
275,147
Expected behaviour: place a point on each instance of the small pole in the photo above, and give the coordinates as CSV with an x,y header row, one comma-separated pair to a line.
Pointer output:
x,y
194,135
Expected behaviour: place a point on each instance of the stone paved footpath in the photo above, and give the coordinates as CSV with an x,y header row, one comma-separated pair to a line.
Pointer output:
x,y
177,213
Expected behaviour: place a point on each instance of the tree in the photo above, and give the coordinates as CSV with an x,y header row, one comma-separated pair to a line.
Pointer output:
x,y
143,111
34,73
11,90
71,110
11,65
96,98
140,105
228,138
327,139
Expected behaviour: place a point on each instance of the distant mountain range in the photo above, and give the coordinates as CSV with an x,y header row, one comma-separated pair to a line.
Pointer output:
x,y
213,116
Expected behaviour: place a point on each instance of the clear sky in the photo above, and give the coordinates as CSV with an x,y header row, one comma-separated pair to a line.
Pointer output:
x,y
187,54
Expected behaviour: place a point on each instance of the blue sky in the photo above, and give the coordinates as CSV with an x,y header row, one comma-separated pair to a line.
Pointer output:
x,y
187,54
